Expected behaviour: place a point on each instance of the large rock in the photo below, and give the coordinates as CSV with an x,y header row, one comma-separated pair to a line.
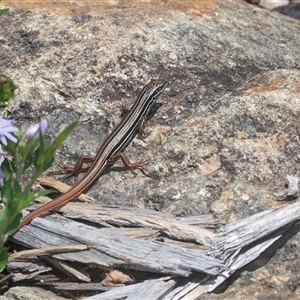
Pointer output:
x,y
228,131
30,293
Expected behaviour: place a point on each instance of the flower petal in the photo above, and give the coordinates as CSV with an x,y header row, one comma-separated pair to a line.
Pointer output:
x,y
34,130
6,127
10,137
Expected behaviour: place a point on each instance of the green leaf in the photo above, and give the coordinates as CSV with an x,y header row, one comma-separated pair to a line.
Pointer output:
x,y
29,148
6,168
14,224
3,11
11,193
6,191
11,147
27,163
44,156
7,88
14,163
2,214
36,157
28,155
32,196
3,259
17,190
48,163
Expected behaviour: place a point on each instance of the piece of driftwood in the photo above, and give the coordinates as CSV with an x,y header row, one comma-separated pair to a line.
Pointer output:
x,y
153,289
204,221
156,290
240,243
237,244
67,270
74,286
19,268
134,217
46,251
144,247
107,244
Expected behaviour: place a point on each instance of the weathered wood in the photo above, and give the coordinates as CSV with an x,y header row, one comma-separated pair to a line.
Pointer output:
x,y
247,231
147,234
203,221
156,288
236,251
239,259
67,270
194,273
133,217
186,286
161,288
155,291
237,243
46,251
116,293
33,237
136,254
19,268
74,286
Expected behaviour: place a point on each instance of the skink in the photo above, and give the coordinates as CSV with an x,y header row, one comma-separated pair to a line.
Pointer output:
x,y
111,149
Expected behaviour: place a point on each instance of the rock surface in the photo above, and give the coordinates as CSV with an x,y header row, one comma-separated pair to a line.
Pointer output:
x,y
32,293
227,134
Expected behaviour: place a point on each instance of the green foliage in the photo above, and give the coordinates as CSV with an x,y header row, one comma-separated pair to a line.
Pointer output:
x,y
14,224
3,10
36,155
30,152
3,258
6,88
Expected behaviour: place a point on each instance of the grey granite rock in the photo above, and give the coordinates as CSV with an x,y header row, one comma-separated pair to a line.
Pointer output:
x,y
29,293
227,134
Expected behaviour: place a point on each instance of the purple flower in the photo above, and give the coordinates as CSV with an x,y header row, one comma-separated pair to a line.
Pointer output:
x,y
34,130
6,128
